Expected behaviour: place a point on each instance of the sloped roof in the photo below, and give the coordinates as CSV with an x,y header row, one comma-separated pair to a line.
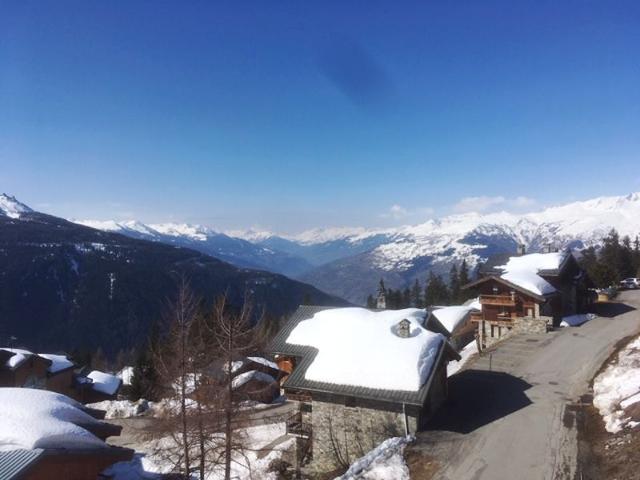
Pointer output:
x,y
14,464
307,355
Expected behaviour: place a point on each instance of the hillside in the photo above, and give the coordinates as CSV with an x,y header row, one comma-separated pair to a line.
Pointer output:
x,y
65,285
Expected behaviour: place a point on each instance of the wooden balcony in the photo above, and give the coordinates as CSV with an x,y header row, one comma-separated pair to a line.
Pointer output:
x,y
500,300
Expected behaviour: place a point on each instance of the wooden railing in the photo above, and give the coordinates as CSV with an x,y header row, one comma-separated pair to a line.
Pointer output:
x,y
501,300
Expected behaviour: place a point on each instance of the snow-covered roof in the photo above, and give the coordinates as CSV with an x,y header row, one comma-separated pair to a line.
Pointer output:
x,y
58,362
523,271
32,418
265,362
452,317
359,347
104,382
245,377
20,355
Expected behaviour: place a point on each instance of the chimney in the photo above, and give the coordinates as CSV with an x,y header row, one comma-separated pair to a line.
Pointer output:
x,y
404,328
521,249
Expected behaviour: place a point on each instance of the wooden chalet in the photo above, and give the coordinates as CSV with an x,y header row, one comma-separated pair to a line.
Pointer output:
x,y
378,410
508,304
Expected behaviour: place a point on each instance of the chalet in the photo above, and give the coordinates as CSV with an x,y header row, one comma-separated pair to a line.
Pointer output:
x,y
359,376
528,292
54,372
48,436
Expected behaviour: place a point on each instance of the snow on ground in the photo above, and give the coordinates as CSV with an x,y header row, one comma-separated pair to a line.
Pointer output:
x,y
523,271
465,354
384,462
104,382
147,464
58,362
452,317
126,375
32,418
122,408
360,347
245,377
19,357
576,320
618,387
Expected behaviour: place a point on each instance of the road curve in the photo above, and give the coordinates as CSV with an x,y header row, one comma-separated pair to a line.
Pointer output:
x,y
516,420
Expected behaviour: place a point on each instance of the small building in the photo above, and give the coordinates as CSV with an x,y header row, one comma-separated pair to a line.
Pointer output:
x,y
48,436
55,372
528,292
256,386
360,376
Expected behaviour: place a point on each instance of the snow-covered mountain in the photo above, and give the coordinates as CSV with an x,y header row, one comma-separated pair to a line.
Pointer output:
x,y
12,208
349,261
236,251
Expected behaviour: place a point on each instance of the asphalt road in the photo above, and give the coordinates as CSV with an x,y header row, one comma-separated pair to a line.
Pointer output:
x,y
516,421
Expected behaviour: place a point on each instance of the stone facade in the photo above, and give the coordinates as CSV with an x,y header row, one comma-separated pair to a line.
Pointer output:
x,y
494,334
342,433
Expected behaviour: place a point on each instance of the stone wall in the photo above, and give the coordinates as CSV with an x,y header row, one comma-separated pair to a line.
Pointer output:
x,y
341,433
525,325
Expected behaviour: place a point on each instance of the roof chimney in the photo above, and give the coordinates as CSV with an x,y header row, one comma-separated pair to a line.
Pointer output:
x,y
521,249
404,328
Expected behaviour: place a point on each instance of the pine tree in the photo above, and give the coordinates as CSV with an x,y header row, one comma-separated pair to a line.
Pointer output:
x,y
416,294
454,283
406,298
436,291
463,276
371,302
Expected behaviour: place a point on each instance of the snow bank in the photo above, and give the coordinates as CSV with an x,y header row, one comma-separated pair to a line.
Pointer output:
x,y
58,362
576,320
384,462
523,271
452,317
105,382
466,353
245,377
122,408
19,357
264,444
42,419
359,347
618,387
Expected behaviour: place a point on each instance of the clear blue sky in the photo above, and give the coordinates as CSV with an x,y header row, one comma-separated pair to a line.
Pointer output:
x,y
290,115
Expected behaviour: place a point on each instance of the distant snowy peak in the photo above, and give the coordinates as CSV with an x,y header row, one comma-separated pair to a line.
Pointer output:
x,y
253,235
184,230
11,207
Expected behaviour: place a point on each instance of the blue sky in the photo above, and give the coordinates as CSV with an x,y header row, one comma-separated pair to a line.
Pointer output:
x,y
291,115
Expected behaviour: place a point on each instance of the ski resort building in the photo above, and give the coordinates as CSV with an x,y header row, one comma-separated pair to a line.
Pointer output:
x,y
44,371
360,376
528,293
48,436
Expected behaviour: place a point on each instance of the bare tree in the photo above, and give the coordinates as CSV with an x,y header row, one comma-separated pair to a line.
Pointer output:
x,y
174,361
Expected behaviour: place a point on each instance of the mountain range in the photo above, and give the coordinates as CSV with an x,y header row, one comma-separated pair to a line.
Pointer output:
x,y
348,262
67,286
